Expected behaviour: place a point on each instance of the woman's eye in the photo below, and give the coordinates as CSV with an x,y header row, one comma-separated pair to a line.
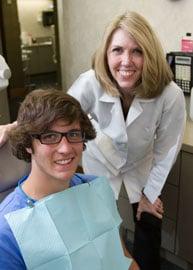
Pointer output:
x,y
137,51
117,50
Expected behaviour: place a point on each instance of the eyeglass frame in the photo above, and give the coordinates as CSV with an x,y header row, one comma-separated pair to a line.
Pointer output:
x,y
62,134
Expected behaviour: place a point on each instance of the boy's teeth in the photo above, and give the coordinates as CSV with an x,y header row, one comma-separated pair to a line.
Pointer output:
x,y
63,161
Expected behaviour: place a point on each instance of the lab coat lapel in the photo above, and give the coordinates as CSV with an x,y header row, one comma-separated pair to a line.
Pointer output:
x,y
134,111
117,124
117,113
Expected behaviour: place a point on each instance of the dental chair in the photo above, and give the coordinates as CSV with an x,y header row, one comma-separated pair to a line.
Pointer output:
x,y
11,169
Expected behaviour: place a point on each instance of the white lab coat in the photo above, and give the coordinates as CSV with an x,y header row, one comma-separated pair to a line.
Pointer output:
x,y
140,150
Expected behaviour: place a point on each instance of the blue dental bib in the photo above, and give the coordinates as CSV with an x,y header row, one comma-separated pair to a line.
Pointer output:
x,y
76,229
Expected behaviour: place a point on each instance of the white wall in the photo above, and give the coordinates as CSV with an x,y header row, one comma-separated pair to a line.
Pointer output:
x,y
82,22
29,12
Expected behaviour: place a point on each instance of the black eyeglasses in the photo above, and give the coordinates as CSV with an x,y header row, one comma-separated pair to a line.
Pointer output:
x,y
53,137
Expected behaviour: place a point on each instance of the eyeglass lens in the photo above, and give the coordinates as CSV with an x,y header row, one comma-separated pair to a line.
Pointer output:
x,y
56,137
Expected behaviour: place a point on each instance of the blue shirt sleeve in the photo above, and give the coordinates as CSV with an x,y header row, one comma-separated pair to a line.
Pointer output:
x,y
10,256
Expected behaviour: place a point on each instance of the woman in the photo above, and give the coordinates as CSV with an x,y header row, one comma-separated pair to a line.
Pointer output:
x,y
139,115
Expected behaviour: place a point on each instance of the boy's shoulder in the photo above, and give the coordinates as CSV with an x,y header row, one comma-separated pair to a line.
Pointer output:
x,y
80,178
14,201
8,245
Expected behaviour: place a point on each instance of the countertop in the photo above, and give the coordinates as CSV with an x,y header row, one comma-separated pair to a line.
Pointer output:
x,y
38,44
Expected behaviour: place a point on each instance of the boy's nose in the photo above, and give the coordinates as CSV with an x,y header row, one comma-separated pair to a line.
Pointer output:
x,y
64,145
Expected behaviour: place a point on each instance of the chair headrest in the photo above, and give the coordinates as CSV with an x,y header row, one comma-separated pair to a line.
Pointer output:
x,y
11,168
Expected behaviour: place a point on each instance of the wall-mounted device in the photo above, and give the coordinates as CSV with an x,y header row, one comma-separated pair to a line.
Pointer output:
x,y
48,18
181,64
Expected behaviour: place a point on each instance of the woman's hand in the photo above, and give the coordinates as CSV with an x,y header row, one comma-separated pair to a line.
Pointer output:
x,y
4,129
155,209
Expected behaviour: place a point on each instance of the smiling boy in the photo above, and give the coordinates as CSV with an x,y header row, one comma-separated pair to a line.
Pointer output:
x,y
56,218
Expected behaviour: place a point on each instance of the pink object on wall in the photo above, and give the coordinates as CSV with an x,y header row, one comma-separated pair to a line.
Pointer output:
x,y
187,43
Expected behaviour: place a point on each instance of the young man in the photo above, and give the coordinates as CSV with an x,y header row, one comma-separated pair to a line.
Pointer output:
x,y
55,218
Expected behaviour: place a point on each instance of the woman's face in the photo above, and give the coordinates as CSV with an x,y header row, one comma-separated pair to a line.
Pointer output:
x,y
125,61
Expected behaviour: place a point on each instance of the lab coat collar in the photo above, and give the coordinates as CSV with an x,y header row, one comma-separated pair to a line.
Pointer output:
x,y
107,98
135,110
145,100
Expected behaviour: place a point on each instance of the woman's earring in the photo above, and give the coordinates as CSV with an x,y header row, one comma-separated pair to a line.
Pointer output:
x,y
84,146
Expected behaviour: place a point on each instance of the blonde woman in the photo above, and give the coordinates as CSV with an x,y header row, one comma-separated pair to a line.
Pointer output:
x,y
139,115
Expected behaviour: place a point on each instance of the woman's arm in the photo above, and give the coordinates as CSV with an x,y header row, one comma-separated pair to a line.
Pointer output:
x,y
168,141
4,130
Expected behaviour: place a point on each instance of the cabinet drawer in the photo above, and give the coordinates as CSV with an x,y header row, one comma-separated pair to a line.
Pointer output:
x,y
168,234
170,201
174,175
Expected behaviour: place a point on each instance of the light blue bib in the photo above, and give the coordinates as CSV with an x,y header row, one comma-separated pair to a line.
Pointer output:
x,y
76,229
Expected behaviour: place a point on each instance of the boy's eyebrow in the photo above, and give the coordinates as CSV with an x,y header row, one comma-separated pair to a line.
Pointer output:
x,y
70,130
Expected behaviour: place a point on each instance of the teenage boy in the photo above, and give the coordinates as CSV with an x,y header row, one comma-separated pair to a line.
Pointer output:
x,y
55,218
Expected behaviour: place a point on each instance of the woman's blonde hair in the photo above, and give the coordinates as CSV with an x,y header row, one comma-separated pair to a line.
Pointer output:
x,y
156,72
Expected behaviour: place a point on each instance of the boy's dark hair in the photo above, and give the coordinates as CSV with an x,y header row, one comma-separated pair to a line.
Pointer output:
x,y
39,110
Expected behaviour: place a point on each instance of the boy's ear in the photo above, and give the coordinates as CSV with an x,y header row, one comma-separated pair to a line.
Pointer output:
x,y
29,150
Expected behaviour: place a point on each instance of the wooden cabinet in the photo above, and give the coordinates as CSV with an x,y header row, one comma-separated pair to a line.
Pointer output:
x,y
170,197
177,195
40,59
184,239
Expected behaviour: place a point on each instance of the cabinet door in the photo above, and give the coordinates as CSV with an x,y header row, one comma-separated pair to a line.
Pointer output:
x,y
40,59
174,175
46,59
184,244
170,200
